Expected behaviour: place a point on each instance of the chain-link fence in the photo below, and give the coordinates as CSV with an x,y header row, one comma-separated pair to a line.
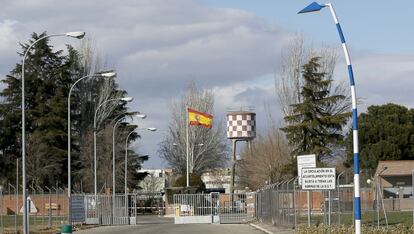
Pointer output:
x,y
286,204
47,207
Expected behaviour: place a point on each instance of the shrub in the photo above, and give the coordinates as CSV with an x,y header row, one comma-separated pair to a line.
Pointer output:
x,y
322,229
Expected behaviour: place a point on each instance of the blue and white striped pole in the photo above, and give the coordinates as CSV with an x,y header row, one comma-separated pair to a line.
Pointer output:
x,y
357,201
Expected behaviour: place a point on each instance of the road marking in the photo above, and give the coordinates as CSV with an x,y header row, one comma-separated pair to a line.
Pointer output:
x,y
261,229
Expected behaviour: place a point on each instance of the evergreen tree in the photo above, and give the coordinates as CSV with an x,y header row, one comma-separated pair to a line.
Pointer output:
x,y
314,128
49,75
386,132
43,67
86,97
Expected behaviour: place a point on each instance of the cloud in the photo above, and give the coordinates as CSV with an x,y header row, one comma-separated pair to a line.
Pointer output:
x,y
382,78
158,46
8,38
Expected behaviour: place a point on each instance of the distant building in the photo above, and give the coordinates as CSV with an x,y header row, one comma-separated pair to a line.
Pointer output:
x,y
217,179
396,178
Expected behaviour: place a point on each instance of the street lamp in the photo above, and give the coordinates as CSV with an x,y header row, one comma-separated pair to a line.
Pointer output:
x,y
77,35
126,162
357,200
142,116
125,99
104,75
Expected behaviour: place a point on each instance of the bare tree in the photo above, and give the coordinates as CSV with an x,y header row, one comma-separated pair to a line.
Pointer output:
x,y
288,85
152,184
268,163
88,96
207,146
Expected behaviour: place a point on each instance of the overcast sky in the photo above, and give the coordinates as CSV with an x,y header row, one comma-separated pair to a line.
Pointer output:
x,y
231,46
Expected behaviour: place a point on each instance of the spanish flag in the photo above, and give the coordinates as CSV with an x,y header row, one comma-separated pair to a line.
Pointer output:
x,y
200,118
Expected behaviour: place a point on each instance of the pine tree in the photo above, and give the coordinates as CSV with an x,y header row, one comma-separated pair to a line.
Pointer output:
x,y
386,132
313,128
42,76
49,75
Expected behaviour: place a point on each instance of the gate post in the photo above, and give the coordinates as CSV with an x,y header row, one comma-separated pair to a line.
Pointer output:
x,y
211,211
215,206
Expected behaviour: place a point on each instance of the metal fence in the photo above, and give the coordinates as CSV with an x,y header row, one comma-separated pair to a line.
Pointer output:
x,y
108,210
47,206
237,208
285,204
214,208
150,203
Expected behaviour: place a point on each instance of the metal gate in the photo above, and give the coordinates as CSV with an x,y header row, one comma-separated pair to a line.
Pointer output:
x,y
150,203
196,208
109,210
214,208
237,208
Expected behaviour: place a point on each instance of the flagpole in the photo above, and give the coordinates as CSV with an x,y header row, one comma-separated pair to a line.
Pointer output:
x,y
187,133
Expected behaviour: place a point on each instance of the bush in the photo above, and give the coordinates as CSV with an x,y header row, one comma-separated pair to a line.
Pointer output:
x,y
322,229
195,181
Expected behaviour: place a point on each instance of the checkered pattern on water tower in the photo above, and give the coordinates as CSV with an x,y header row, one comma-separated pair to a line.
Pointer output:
x,y
241,125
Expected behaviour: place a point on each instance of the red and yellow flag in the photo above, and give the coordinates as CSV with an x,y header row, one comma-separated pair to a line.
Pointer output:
x,y
200,118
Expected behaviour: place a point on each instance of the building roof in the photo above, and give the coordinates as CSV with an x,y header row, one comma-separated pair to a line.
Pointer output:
x,y
395,168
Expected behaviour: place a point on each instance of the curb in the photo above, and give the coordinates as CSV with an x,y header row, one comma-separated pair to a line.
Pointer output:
x,y
260,228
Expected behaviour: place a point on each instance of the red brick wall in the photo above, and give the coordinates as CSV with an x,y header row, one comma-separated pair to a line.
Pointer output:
x,y
9,204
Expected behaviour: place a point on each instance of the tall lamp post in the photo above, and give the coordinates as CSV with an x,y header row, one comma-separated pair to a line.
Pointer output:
x,y
104,75
77,35
357,201
113,156
125,99
126,163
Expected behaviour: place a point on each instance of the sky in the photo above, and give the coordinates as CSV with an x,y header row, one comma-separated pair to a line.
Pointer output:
x,y
231,46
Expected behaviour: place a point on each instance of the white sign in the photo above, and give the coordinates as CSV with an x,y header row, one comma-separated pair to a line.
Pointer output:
x,y
185,208
318,178
30,206
305,161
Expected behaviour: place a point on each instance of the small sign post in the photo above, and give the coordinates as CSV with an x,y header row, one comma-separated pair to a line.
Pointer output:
x,y
318,178
306,161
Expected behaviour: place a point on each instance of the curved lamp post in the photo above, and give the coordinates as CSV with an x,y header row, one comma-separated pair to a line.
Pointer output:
x,y
103,75
126,163
77,35
357,201
125,99
113,155
142,116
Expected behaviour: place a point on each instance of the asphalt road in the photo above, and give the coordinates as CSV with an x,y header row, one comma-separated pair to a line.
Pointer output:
x,y
154,224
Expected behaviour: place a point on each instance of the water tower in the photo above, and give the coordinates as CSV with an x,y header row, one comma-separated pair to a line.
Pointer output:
x,y
241,126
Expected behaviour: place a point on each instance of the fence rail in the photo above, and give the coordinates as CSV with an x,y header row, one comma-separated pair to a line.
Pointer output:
x,y
214,208
285,204
47,208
